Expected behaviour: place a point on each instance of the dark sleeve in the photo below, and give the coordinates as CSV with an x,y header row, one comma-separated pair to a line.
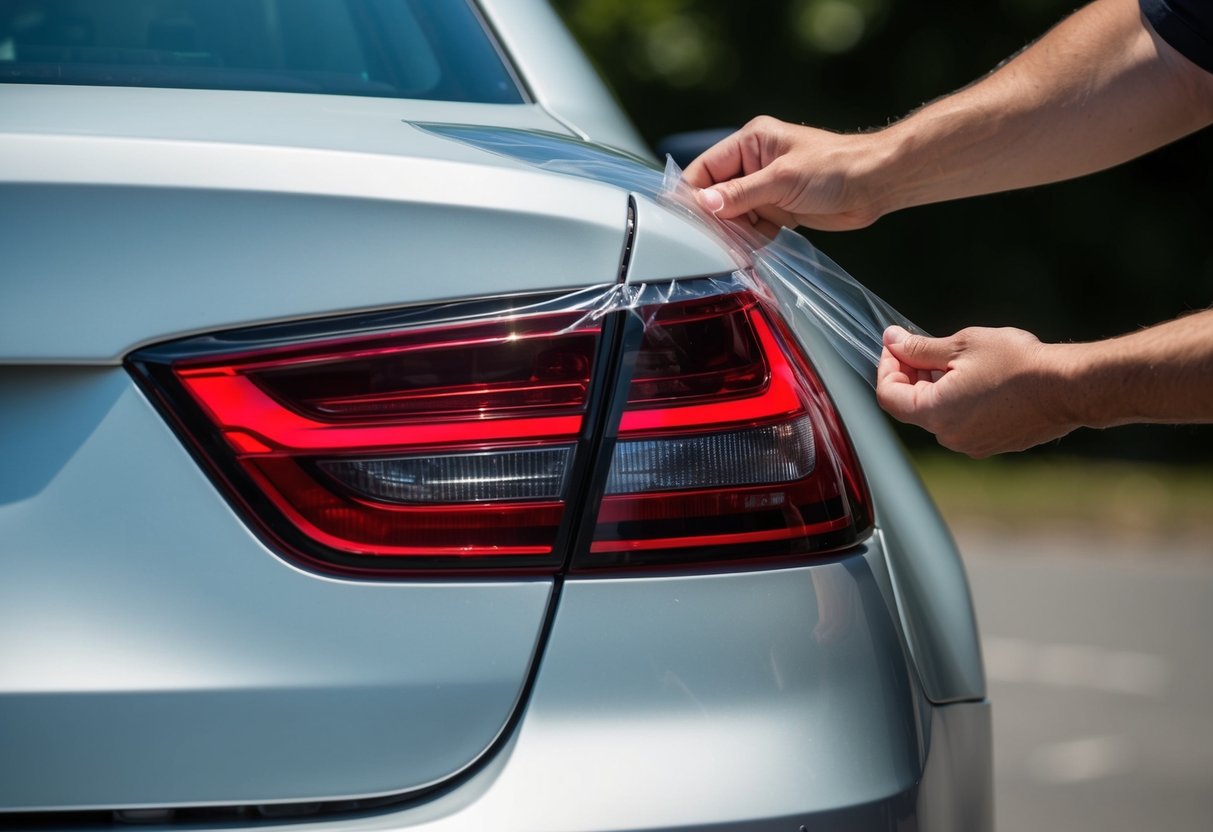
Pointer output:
x,y
1187,25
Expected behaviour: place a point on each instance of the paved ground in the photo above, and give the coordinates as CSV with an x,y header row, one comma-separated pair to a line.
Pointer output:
x,y
1100,659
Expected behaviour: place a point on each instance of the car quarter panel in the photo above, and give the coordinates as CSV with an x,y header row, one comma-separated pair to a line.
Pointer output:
x,y
924,564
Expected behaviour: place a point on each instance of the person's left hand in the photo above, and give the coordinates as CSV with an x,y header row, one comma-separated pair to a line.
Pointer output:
x,y
981,391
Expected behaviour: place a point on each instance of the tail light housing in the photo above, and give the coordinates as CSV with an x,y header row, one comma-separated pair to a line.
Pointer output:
x,y
448,440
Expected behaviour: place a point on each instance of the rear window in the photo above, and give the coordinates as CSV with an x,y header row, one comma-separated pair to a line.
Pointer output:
x,y
434,49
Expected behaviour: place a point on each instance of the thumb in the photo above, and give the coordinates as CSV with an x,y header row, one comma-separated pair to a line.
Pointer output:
x,y
919,351
734,197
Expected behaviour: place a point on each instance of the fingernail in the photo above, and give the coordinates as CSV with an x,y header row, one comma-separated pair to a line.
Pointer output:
x,y
895,335
711,200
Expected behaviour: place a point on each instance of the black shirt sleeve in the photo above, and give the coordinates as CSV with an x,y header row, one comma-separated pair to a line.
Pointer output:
x,y
1187,25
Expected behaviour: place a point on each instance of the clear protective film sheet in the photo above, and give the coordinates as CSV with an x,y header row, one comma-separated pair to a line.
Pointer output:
x,y
788,268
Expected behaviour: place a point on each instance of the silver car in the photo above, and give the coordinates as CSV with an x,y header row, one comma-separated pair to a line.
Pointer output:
x,y
341,492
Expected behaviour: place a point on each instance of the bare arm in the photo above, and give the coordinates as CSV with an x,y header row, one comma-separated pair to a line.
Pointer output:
x,y
987,391
1098,89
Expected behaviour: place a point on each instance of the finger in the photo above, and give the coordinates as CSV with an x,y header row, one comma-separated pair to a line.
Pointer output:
x,y
735,197
767,228
902,399
768,221
720,162
776,216
889,369
919,351
900,394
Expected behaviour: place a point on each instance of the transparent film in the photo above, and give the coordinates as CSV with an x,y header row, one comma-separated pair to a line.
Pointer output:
x,y
787,268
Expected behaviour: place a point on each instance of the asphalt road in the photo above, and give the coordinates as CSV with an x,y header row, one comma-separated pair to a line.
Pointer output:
x,y
1100,660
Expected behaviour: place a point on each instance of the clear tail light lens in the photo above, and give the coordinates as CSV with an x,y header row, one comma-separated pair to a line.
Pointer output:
x,y
777,453
502,476
379,447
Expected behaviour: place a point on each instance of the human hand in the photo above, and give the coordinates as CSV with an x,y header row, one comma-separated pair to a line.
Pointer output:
x,y
784,174
981,391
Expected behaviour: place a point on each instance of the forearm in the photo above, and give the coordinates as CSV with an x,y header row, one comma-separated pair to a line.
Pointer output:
x,y
1098,89
1160,374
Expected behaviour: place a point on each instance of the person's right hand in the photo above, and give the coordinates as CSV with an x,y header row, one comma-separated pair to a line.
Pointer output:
x,y
791,175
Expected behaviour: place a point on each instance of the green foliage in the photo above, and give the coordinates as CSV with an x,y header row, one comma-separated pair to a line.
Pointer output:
x,y
1075,261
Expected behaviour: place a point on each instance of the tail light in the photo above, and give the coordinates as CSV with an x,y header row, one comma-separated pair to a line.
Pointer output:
x,y
439,445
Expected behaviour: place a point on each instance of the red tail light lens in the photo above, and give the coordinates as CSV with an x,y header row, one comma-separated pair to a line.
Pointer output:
x,y
702,351
474,372
729,447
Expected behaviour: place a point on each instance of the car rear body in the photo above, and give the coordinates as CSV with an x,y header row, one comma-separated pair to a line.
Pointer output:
x,y
172,653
